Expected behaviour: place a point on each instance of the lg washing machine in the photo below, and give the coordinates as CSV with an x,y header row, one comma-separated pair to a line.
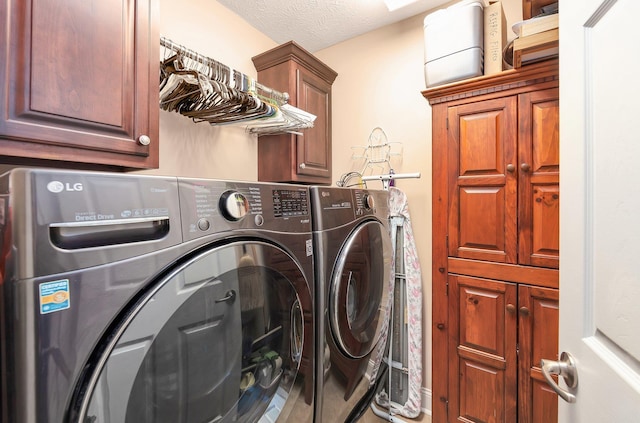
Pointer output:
x,y
133,298
353,257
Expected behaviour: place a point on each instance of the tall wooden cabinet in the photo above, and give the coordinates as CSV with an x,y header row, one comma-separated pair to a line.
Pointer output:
x,y
303,157
79,83
495,245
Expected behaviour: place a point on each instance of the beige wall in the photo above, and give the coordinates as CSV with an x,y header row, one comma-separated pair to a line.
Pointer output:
x,y
379,84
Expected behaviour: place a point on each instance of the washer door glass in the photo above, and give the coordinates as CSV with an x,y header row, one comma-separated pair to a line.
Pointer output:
x,y
359,290
219,339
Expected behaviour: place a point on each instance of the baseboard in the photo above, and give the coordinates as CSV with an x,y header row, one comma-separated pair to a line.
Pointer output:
x,y
426,399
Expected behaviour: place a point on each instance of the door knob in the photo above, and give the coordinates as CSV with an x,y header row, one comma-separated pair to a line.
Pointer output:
x,y
302,165
510,168
525,167
144,140
565,368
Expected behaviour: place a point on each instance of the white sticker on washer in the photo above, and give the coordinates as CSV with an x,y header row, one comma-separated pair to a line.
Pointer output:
x,y
54,296
309,248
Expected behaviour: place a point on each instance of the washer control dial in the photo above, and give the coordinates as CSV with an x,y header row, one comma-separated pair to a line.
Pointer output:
x,y
233,205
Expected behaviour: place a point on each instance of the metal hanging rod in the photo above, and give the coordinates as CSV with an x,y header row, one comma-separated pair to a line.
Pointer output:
x,y
251,83
390,176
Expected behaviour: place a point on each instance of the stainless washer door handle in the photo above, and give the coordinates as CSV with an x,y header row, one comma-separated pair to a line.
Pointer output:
x,y
566,368
229,297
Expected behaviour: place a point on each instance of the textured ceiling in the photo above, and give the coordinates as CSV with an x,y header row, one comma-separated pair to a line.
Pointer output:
x,y
317,24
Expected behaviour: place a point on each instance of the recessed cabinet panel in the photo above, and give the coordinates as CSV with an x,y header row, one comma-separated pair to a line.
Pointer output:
x,y
488,239
478,155
545,134
544,407
59,80
476,379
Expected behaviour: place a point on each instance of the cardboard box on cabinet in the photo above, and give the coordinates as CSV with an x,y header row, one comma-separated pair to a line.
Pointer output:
x,y
453,43
495,37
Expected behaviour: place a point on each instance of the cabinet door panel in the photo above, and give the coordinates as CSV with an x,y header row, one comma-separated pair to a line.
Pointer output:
x,y
81,81
539,202
538,338
314,146
482,185
483,368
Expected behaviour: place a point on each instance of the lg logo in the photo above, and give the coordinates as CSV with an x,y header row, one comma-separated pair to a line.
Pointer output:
x,y
57,186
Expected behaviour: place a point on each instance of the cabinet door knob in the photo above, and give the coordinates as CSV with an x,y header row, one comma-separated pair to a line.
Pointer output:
x,y
525,311
511,308
144,140
510,168
525,167
302,165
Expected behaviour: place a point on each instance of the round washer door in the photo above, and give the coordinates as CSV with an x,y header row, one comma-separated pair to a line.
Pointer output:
x,y
359,291
218,339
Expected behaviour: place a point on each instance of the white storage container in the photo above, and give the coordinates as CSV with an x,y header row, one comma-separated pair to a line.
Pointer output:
x,y
453,43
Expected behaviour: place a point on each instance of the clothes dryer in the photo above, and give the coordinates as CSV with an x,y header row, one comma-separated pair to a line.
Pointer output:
x,y
131,298
353,257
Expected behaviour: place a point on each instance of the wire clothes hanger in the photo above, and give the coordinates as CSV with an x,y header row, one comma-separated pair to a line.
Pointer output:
x,y
206,90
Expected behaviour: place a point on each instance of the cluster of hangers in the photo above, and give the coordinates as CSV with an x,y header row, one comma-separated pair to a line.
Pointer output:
x,y
205,90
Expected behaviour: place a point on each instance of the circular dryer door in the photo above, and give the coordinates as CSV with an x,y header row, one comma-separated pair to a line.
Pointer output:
x,y
219,339
359,291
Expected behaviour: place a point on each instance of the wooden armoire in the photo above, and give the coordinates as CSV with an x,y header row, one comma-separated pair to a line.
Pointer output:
x,y
495,245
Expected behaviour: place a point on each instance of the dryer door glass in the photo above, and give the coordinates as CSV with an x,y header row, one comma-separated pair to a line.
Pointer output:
x,y
218,339
359,292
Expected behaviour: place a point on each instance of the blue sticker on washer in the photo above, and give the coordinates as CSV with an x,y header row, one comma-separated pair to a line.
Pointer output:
x,y
54,296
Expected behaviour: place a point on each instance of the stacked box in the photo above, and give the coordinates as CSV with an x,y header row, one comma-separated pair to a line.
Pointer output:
x,y
453,43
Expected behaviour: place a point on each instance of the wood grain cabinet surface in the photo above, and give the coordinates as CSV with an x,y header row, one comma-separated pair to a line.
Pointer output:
x,y
495,245
79,84
305,157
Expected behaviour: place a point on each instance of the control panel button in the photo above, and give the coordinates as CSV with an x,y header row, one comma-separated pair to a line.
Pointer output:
x,y
204,224
233,205
259,220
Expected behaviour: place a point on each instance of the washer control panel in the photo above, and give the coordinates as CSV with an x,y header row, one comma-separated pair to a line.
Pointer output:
x,y
210,206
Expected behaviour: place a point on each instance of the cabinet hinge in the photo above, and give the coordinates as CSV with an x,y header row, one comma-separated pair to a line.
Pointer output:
x,y
447,122
447,294
517,349
446,241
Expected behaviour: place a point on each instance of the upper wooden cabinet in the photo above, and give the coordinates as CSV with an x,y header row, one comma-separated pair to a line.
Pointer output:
x,y
504,179
79,84
495,280
304,158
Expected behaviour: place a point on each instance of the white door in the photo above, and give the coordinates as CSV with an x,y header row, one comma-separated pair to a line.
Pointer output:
x,y
600,207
